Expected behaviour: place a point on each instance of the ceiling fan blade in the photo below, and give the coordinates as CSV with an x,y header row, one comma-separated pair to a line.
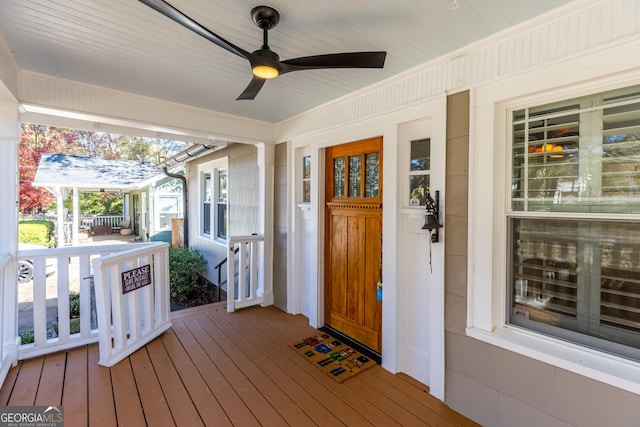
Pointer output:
x,y
252,89
172,13
335,60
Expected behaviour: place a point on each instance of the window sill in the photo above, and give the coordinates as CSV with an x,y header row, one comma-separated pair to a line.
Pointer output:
x,y
609,369
208,239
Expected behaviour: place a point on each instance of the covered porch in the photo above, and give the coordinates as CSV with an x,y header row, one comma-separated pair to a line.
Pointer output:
x,y
64,175
218,368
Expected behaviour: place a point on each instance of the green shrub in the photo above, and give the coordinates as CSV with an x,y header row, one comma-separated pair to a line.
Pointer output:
x,y
74,304
37,232
185,268
26,337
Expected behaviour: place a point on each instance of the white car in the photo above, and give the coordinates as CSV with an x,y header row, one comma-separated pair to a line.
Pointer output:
x,y
25,266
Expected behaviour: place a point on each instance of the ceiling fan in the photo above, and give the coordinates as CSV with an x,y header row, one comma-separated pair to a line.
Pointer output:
x,y
265,63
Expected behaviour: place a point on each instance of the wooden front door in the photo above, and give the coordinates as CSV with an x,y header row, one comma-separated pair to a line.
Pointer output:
x,y
353,241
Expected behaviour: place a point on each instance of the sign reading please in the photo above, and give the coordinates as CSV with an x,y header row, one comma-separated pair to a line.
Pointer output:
x,y
136,278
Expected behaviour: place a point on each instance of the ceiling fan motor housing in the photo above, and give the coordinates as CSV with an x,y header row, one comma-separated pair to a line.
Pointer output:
x,y
265,17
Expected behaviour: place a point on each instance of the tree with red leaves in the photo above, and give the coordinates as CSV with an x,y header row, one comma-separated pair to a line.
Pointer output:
x,y
35,141
40,139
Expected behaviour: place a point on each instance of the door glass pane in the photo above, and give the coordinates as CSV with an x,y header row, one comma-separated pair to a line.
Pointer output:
x,y
372,164
338,177
354,176
421,155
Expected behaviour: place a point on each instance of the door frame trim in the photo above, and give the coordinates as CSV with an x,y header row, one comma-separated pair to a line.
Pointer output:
x,y
307,297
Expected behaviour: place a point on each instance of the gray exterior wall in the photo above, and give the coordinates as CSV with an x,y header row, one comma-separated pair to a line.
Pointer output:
x,y
243,202
280,227
493,386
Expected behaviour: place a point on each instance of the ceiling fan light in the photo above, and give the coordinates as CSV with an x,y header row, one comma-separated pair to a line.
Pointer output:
x,y
265,72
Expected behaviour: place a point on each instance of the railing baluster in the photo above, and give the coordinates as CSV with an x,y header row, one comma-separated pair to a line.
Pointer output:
x,y
231,278
253,269
63,299
86,300
249,289
242,277
39,303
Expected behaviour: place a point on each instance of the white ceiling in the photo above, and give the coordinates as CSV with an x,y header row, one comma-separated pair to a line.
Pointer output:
x,y
125,45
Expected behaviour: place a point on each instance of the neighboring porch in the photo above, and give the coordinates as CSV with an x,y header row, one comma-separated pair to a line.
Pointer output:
x,y
218,368
64,175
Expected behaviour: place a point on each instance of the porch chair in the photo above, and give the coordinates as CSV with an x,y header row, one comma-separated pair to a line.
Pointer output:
x,y
123,225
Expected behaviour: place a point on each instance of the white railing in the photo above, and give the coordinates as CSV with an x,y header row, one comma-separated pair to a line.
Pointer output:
x,y
247,288
132,294
110,220
44,316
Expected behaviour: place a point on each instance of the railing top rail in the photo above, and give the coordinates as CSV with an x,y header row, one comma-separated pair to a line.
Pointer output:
x,y
241,239
136,250
75,250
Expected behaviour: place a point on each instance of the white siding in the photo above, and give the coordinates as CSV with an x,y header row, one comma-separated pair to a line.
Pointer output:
x,y
243,201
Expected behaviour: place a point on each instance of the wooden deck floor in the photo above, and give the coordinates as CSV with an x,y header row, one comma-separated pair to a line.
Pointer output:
x,y
220,369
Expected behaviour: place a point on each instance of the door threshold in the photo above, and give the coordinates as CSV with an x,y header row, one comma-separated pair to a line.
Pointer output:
x,y
370,353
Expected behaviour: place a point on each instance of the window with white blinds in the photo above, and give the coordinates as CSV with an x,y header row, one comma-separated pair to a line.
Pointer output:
x,y
581,155
574,252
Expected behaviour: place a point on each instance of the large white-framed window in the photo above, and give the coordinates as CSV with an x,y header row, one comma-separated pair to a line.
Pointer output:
x,y
573,224
214,185
554,219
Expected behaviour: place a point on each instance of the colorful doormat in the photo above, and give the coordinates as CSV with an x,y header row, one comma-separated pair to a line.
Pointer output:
x,y
332,356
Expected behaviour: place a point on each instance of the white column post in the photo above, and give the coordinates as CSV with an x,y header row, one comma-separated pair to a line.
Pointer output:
x,y
9,138
266,156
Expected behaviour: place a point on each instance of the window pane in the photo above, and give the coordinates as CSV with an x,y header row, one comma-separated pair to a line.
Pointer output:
x,y
578,279
208,190
222,185
206,218
306,179
544,268
419,187
420,155
338,177
168,204
306,191
372,164
580,155
306,167
206,203
354,176
165,219
222,221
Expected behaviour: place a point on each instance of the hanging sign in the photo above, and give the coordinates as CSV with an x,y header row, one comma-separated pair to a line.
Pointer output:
x,y
136,278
